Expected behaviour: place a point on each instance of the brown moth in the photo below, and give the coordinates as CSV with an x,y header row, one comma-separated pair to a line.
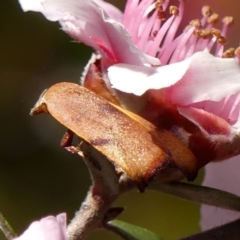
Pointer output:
x,y
127,140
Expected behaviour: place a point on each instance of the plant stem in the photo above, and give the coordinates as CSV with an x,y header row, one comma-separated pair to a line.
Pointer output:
x,y
102,194
6,228
200,194
89,218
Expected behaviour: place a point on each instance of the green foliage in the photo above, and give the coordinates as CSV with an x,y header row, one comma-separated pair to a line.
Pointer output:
x,y
131,232
201,194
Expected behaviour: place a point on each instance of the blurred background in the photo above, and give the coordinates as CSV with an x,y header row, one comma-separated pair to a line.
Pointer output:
x,y
37,177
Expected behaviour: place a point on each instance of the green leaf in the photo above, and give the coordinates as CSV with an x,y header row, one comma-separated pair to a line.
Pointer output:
x,y
131,232
200,194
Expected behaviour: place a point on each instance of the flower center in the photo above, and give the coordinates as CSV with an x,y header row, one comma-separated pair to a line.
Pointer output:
x,y
154,25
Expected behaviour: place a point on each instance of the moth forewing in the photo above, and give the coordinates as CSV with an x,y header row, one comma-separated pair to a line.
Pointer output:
x,y
127,140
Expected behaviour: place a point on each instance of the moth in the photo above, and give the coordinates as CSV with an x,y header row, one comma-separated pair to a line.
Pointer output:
x,y
130,142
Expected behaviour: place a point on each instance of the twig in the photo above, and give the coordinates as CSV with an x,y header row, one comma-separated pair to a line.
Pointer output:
x,y
108,185
200,194
6,228
101,195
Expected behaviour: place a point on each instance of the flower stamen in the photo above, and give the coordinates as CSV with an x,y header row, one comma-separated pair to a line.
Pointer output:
x,y
178,49
173,10
166,34
229,53
213,19
207,11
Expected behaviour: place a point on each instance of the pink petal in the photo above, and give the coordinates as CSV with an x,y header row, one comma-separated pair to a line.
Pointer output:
x,y
228,108
207,122
35,5
111,10
207,78
198,78
138,79
48,228
225,176
39,6
87,22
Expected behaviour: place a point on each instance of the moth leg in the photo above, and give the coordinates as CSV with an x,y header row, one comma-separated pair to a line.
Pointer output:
x,y
66,142
67,139
74,150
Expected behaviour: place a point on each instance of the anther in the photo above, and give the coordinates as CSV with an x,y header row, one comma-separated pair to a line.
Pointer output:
x,y
195,23
228,20
159,3
173,10
197,32
204,33
215,32
162,15
154,33
213,19
229,53
222,40
206,11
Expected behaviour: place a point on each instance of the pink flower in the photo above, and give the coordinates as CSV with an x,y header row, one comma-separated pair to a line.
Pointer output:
x,y
185,83
48,228
97,24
